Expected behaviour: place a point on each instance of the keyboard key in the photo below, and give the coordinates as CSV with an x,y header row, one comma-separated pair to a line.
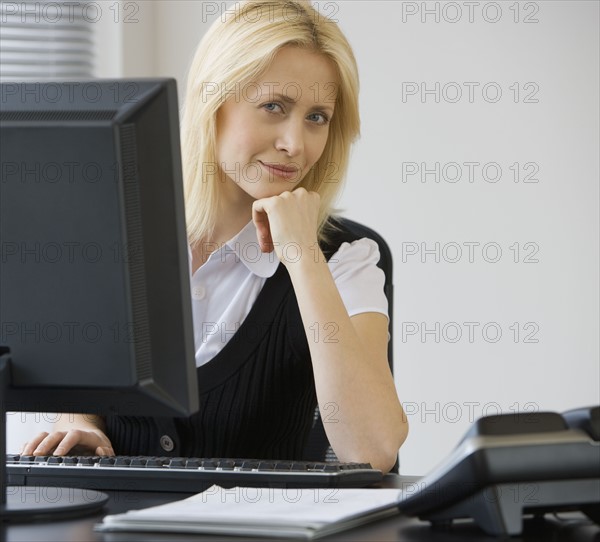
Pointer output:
x,y
27,459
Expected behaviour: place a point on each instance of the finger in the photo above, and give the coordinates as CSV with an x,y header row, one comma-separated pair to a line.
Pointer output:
x,y
76,437
263,227
105,451
32,444
49,443
266,242
88,440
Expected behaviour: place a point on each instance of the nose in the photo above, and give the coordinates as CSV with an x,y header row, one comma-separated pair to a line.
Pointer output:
x,y
290,139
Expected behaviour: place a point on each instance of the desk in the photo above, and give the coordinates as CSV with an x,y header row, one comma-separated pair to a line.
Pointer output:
x,y
576,529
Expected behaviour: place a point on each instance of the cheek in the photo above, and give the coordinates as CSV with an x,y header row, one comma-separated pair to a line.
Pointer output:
x,y
236,136
315,149
243,140
232,147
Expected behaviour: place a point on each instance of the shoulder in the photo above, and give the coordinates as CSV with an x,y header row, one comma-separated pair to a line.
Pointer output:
x,y
344,236
360,264
337,231
353,255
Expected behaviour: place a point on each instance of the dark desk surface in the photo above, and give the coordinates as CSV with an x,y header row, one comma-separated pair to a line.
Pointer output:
x,y
570,528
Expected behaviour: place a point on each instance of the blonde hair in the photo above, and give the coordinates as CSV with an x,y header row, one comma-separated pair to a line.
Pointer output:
x,y
237,48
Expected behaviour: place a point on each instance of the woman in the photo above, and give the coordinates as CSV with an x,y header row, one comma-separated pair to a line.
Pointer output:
x,y
287,316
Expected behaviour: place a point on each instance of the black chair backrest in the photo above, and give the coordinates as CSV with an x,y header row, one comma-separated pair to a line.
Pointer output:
x,y
318,448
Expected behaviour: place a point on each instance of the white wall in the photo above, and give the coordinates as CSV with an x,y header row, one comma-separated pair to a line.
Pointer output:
x,y
552,293
545,304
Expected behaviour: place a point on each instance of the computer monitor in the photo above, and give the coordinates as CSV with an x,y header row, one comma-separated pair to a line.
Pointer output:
x,y
95,305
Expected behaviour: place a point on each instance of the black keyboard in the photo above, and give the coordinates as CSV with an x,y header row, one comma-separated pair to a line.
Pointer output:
x,y
182,474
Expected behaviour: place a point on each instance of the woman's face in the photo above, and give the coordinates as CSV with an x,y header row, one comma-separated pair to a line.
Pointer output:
x,y
270,132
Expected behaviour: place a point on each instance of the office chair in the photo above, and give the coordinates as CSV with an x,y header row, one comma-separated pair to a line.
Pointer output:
x,y
318,447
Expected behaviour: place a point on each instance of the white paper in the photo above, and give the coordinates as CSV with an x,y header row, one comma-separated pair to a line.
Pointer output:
x,y
257,509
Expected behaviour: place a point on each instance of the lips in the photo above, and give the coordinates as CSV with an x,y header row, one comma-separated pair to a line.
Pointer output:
x,y
280,170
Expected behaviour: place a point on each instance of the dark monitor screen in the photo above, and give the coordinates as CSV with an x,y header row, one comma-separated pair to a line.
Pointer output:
x,y
95,302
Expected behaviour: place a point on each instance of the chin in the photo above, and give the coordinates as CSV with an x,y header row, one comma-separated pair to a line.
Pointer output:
x,y
276,189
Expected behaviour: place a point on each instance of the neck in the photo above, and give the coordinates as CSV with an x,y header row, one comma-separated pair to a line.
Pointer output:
x,y
235,211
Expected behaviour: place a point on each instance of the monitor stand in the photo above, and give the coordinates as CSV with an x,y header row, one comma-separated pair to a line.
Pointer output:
x,y
27,503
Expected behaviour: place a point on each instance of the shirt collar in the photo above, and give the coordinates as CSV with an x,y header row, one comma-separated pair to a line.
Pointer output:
x,y
247,248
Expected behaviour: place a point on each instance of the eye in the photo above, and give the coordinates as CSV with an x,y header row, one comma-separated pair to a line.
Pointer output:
x,y
318,118
272,107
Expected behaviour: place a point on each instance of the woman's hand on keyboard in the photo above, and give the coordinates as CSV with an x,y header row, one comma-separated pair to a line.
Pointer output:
x,y
76,441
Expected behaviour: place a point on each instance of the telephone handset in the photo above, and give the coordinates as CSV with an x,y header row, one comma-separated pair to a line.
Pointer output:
x,y
513,464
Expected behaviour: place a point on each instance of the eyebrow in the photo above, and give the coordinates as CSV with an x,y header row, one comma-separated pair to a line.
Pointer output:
x,y
289,100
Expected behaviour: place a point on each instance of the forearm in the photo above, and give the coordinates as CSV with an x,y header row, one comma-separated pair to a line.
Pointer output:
x,y
362,415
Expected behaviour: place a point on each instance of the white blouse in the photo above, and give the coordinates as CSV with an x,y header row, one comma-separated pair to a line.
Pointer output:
x,y
227,285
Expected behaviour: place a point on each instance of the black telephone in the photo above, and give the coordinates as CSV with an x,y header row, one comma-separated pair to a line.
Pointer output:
x,y
510,464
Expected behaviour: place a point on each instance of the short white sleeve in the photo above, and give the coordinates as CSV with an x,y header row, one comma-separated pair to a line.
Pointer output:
x,y
357,277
